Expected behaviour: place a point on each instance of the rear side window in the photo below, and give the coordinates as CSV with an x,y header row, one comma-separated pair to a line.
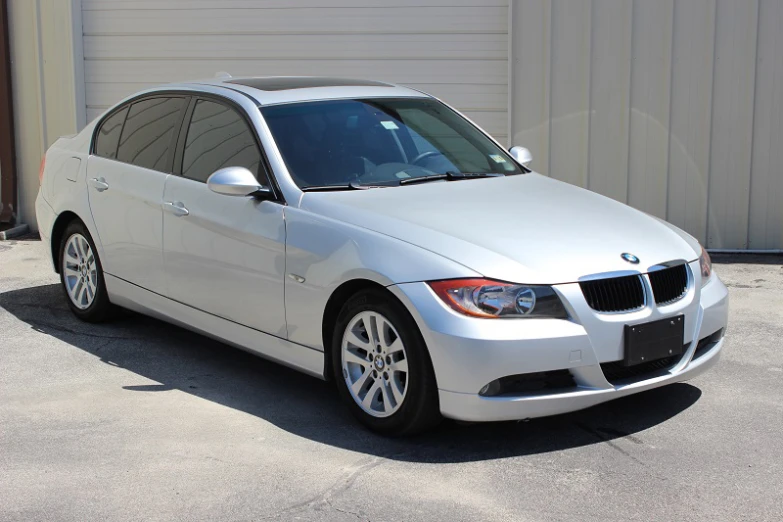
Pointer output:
x,y
108,137
148,133
219,137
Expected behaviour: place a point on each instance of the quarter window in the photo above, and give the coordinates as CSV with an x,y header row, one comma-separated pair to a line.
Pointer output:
x,y
109,136
219,137
148,132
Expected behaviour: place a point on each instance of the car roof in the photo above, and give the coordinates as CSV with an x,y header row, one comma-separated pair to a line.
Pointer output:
x,y
283,83
273,90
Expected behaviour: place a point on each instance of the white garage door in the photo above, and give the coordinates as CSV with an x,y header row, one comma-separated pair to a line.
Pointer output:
x,y
454,49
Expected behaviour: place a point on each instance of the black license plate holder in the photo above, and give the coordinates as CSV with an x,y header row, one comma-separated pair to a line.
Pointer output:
x,y
655,340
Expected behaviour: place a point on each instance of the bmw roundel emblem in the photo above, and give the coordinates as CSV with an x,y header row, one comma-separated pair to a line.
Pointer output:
x,y
630,258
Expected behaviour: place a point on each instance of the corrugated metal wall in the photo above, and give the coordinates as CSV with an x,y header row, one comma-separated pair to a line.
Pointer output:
x,y
673,106
455,49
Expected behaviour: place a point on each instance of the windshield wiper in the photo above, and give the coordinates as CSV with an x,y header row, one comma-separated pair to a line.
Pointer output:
x,y
348,186
448,176
451,176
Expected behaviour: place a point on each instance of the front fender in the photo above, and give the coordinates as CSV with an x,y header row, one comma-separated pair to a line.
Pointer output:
x,y
323,253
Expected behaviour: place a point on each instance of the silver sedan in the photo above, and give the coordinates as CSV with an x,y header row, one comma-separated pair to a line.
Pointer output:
x,y
370,234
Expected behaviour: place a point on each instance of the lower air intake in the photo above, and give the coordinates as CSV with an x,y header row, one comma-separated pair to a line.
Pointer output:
x,y
617,373
530,383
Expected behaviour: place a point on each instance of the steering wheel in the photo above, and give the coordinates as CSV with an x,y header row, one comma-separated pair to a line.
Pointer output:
x,y
425,155
366,161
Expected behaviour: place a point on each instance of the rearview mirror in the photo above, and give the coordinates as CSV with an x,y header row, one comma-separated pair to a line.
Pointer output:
x,y
521,155
237,181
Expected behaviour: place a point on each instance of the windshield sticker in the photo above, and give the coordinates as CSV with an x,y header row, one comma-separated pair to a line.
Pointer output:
x,y
389,125
497,158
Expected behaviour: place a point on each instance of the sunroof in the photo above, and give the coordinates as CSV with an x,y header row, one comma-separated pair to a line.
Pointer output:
x,y
283,83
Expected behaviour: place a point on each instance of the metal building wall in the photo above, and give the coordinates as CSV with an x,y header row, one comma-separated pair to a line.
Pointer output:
x,y
673,106
455,49
47,78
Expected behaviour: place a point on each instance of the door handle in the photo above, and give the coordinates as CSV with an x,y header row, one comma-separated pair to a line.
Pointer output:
x,y
175,207
99,184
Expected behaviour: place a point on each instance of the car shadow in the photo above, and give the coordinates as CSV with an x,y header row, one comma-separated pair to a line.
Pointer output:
x,y
177,359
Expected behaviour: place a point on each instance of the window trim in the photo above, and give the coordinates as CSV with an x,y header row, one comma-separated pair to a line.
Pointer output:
x,y
179,153
185,95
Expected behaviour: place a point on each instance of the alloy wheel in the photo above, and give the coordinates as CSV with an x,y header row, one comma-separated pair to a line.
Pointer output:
x,y
374,364
80,271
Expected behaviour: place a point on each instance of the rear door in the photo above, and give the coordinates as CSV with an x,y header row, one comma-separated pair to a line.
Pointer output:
x,y
132,156
224,255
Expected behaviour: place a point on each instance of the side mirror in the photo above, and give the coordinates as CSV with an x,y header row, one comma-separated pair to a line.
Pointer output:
x,y
237,181
521,155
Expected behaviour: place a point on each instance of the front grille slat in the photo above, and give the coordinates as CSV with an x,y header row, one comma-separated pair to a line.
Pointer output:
x,y
608,294
669,284
626,293
614,293
604,297
617,294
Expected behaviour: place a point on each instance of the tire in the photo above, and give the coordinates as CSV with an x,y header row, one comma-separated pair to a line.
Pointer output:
x,y
397,376
81,275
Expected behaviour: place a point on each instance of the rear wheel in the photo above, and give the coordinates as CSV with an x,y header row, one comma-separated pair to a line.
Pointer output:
x,y
81,275
382,367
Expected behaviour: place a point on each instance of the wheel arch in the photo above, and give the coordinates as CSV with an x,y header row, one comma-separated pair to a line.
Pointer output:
x,y
333,306
58,229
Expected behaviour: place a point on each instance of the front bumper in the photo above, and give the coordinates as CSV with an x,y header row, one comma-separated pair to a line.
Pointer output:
x,y
468,353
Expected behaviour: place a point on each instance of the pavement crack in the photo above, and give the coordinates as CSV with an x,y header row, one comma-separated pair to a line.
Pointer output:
x,y
347,512
605,437
325,498
621,434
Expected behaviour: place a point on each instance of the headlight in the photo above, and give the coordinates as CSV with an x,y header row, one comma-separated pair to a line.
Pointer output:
x,y
493,299
706,266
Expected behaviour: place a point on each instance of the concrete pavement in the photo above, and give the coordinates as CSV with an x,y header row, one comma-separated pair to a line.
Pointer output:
x,y
141,420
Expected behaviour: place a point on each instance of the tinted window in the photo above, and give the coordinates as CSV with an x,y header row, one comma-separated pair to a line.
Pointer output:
x,y
147,135
380,141
219,137
431,134
109,136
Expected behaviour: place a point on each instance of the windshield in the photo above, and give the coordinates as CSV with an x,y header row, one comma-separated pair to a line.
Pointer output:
x,y
380,142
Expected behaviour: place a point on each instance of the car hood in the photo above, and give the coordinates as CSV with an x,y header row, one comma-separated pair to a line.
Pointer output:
x,y
526,228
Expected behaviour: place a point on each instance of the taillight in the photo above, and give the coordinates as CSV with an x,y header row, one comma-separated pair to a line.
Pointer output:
x,y
40,172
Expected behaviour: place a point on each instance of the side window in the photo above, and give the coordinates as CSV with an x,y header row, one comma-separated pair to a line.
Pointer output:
x,y
219,137
108,136
148,132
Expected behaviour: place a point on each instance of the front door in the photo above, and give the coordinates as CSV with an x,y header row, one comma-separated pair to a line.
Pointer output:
x,y
126,175
224,255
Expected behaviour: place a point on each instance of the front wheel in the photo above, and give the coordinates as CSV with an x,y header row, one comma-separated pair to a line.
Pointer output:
x,y
81,275
382,367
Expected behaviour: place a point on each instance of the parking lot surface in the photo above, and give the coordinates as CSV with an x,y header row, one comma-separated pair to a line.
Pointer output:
x,y
140,420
